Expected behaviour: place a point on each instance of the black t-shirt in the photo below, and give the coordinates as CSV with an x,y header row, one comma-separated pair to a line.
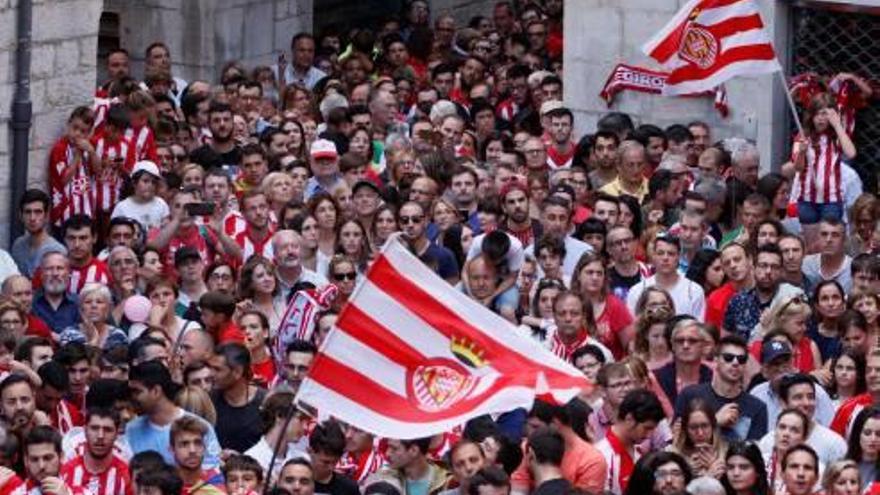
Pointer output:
x,y
621,285
207,157
238,428
752,424
338,485
559,486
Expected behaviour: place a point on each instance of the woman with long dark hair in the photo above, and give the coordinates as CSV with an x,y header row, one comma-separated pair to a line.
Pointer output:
x,y
705,270
863,444
744,473
699,440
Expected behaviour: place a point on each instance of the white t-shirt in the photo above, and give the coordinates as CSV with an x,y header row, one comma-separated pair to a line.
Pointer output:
x,y
149,214
574,249
687,296
515,255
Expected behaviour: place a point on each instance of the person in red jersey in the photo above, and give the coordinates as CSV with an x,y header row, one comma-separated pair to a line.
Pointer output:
x,y
42,462
98,469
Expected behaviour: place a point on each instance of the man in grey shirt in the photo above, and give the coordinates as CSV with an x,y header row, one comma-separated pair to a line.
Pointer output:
x,y
29,248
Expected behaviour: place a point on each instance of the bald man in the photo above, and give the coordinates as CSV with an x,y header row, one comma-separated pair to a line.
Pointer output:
x,y
286,246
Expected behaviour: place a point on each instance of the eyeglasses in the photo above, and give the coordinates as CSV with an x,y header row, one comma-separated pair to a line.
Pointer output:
x,y
672,473
345,276
621,242
686,341
413,219
729,358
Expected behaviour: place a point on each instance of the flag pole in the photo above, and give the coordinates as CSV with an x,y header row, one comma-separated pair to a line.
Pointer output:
x,y
791,106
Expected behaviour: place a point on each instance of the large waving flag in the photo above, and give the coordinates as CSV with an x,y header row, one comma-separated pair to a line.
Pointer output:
x,y
410,357
711,41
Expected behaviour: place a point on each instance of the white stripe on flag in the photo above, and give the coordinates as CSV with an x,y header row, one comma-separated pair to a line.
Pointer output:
x,y
679,18
746,67
368,419
715,15
745,38
353,353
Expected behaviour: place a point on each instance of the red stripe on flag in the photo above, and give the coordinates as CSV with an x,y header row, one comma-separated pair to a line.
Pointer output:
x,y
691,72
359,388
415,299
370,333
736,25
669,46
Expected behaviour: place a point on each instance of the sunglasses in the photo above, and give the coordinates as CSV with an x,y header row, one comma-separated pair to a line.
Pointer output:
x,y
413,219
729,358
345,276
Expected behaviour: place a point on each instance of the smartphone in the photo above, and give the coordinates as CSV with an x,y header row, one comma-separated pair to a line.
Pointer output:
x,y
464,214
199,209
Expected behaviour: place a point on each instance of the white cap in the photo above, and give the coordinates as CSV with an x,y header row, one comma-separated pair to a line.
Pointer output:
x,y
148,167
324,148
550,105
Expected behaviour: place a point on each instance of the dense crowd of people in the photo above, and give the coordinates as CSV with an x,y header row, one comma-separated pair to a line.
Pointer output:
x,y
728,317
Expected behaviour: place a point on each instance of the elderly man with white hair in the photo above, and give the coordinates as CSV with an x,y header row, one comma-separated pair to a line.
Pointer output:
x,y
286,246
745,162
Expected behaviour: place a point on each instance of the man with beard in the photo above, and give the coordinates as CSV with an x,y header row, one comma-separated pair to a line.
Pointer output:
x,y
98,469
518,223
217,189
258,230
286,245
19,407
299,355
560,151
604,158
42,463
743,313
123,231
188,448
152,391
222,150
413,223
463,188
54,304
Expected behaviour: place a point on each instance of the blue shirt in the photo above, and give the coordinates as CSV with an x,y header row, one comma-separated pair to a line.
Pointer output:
x,y
743,313
142,435
66,315
314,187
28,259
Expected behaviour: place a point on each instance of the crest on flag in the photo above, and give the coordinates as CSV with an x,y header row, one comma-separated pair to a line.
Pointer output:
x,y
699,46
440,382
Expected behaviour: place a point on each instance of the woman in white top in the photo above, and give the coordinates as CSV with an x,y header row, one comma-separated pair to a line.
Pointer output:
x,y
258,289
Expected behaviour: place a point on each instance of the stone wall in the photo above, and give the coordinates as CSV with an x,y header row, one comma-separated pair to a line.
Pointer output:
x,y
65,35
608,32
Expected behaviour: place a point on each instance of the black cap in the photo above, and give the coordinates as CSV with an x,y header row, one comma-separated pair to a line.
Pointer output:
x,y
365,183
186,253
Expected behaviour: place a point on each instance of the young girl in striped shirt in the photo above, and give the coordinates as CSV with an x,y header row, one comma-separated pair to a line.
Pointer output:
x,y
817,157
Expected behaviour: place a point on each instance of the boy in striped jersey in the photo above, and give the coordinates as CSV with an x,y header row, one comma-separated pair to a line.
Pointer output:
x,y
98,469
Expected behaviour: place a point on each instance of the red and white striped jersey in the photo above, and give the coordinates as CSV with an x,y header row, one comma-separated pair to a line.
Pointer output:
x,y
70,197
565,351
250,246
144,143
507,110
116,480
820,180
100,107
17,486
118,159
361,465
234,223
95,271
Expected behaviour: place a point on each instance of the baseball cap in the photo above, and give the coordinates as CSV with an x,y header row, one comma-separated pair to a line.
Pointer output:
x,y
324,148
186,253
365,183
513,185
550,105
148,167
773,350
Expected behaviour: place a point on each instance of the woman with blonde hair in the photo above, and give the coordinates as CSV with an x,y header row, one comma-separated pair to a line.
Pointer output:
x,y
279,190
842,478
445,214
95,303
258,289
197,401
791,315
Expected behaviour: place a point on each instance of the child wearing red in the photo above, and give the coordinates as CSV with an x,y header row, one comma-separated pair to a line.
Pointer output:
x,y
139,106
70,163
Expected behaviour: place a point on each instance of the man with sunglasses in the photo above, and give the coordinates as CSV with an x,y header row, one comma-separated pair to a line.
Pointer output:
x,y
413,223
740,415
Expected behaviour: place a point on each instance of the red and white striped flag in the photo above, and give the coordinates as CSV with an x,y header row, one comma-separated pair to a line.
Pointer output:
x,y
711,41
411,357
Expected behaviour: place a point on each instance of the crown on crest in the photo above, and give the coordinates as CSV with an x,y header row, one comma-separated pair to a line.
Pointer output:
x,y
467,352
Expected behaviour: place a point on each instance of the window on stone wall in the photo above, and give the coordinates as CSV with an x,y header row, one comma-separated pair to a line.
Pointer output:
x,y
108,39
829,41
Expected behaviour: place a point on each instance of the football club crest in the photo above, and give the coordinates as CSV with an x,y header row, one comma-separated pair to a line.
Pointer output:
x,y
439,382
698,45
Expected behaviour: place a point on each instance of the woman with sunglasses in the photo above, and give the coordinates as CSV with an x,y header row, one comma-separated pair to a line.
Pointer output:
x,y
863,445
744,471
792,429
699,440
343,274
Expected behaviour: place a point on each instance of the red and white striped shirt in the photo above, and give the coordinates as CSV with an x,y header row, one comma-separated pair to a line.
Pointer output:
x,y
69,197
116,480
563,350
144,143
17,486
118,159
557,159
94,271
820,180
250,246
620,463
361,465
233,223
